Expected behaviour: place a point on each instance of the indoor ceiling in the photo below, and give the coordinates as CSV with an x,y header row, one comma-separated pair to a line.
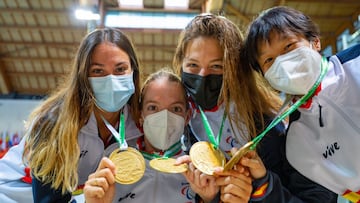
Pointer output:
x,y
38,38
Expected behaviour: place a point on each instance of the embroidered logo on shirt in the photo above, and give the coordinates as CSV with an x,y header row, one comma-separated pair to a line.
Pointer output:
x,y
186,191
352,196
260,191
330,150
230,140
128,195
83,153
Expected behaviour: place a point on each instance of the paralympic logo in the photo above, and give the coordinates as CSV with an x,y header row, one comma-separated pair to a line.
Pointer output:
x,y
187,192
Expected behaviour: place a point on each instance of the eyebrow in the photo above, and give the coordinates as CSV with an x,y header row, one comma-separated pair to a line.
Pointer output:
x,y
123,62
96,64
280,38
195,60
156,102
118,64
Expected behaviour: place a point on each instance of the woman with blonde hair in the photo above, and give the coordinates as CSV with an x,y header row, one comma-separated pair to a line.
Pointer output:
x,y
68,135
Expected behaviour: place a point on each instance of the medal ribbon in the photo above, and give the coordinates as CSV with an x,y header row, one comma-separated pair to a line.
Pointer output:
x,y
120,137
174,149
303,99
214,141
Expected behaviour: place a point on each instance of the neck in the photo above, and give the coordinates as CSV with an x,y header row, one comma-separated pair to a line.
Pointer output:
x,y
111,117
149,148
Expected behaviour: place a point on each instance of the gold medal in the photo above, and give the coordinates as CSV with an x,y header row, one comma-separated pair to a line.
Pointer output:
x,y
167,165
237,156
206,158
130,165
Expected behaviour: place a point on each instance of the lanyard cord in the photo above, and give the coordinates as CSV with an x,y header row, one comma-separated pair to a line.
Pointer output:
x,y
174,149
119,136
209,131
303,99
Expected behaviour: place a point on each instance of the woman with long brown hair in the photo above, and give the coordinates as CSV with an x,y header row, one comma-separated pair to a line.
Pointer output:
x,y
68,135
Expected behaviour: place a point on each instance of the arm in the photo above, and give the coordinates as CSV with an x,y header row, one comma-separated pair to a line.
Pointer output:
x,y
299,190
285,184
15,177
43,193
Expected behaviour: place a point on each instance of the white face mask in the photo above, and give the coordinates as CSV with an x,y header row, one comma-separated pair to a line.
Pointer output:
x,y
163,129
112,92
295,72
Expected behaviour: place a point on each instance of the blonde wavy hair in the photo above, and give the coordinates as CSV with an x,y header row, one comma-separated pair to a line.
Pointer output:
x,y
242,87
52,148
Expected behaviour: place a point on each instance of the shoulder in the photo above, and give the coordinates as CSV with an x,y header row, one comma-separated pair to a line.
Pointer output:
x,y
45,193
349,54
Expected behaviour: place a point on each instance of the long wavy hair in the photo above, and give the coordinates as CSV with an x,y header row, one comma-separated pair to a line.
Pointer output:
x,y
52,146
243,88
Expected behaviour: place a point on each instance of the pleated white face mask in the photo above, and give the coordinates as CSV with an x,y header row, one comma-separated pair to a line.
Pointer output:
x,y
295,72
163,129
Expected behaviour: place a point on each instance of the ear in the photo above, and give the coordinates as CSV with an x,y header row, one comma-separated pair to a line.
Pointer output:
x,y
188,116
141,120
316,44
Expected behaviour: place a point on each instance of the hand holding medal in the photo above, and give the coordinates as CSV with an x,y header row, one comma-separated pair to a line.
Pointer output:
x,y
237,156
207,156
130,164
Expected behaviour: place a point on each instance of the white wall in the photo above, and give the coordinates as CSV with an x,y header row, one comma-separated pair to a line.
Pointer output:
x,y
13,113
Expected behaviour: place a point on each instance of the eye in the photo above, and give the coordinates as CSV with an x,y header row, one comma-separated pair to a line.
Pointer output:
x,y
288,47
151,108
191,68
121,70
191,65
266,64
291,46
96,71
177,109
267,61
217,67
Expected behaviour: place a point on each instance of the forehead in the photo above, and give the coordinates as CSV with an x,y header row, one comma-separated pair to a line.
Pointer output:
x,y
203,44
164,89
110,49
275,37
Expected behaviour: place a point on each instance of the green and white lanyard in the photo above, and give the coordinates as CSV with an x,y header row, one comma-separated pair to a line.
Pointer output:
x,y
174,149
210,134
303,99
119,136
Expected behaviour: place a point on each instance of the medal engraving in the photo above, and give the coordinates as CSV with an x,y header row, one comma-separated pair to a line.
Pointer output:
x,y
130,165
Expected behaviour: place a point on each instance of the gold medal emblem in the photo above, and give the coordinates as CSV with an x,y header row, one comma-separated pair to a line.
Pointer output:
x,y
237,156
206,158
167,165
130,165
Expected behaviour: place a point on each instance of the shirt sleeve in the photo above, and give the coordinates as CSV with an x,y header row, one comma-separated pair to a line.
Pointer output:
x,y
283,183
43,193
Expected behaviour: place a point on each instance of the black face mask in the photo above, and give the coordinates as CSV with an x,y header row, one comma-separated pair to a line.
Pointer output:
x,y
204,91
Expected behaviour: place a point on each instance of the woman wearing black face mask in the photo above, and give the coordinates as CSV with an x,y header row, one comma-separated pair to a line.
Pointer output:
x,y
208,60
235,100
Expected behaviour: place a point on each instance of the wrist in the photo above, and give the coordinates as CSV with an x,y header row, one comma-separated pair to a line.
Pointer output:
x,y
213,199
